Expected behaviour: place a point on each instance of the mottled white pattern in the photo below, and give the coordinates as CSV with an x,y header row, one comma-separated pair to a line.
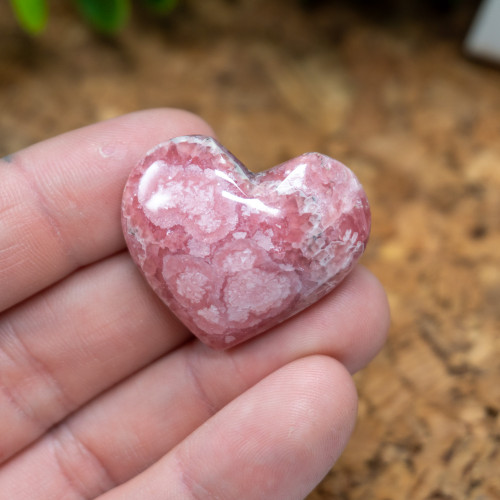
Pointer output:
x,y
239,235
233,253
254,291
211,314
191,284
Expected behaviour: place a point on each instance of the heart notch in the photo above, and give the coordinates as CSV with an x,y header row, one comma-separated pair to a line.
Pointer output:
x,y
233,253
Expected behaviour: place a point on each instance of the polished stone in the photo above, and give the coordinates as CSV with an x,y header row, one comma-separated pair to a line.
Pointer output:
x,y
233,253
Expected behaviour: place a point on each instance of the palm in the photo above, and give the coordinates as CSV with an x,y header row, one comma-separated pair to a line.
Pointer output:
x,y
103,392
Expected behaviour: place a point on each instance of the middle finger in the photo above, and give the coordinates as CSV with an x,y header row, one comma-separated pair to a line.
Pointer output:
x,y
64,346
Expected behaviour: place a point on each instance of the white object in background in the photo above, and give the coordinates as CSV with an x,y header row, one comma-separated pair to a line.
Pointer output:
x,y
483,39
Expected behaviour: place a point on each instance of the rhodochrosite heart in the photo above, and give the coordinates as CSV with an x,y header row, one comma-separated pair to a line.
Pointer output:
x,y
233,253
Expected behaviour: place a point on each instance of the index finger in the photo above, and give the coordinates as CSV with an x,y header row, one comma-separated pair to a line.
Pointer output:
x,y
60,199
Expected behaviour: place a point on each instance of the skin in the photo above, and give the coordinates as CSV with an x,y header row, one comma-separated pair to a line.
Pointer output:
x,y
104,394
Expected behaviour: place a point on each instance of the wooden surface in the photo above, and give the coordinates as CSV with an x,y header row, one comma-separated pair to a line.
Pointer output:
x,y
388,93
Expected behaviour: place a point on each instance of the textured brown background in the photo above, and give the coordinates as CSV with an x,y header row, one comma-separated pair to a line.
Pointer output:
x,y
388,92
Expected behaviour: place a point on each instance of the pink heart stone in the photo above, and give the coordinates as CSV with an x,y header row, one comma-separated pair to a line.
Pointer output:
x,y
233,253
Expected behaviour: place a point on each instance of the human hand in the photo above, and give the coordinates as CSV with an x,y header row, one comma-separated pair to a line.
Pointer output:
x,y
104,393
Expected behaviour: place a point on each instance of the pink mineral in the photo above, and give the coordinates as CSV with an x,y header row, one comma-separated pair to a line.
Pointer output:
x,y
233,253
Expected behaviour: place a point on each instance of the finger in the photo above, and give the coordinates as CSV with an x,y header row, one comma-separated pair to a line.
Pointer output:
x,y
63,347
277,440
60,203
138,421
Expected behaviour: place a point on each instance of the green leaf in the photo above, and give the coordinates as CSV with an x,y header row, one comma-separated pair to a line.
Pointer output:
x,y
106,16
30,14
161,6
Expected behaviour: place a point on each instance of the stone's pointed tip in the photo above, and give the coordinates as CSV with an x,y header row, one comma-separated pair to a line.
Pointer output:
x,y
233,254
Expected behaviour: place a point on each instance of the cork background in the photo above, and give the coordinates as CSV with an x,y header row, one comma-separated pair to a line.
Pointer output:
x,y
385,88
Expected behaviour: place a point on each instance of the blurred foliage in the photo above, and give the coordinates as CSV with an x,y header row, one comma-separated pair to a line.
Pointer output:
x,y
109,16
31,14
105,16
161,6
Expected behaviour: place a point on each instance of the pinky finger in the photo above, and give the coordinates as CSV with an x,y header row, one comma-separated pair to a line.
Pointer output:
x,y
277,440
